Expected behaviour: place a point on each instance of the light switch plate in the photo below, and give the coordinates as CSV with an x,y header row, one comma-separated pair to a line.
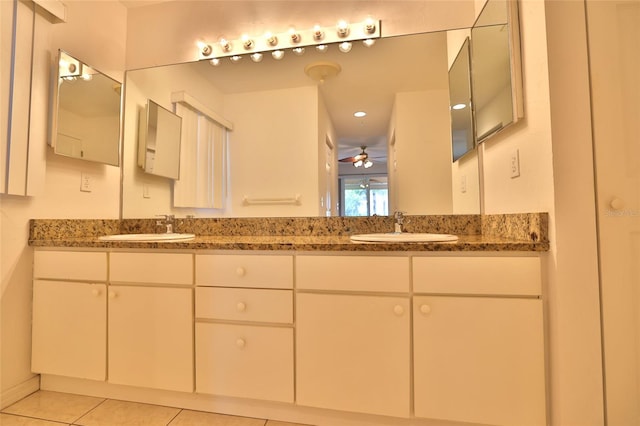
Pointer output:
x,y
85,182
515,164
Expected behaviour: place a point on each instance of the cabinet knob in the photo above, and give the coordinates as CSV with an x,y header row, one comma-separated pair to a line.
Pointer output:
x,y
240,271
398,310
241,343
241,307
112,295
95,292
617,203
425,309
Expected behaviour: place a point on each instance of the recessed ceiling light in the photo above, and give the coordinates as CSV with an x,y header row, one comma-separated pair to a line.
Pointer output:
x,y
459,106
359,114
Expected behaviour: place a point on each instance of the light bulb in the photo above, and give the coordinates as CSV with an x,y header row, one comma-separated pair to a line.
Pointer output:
x,y
358,163
369,26
368,42
271,39
318,34
215,62
367,164
342,29
256,57
322,48
294,36
299,51
225,45
277,54
235,58
345,47
247,42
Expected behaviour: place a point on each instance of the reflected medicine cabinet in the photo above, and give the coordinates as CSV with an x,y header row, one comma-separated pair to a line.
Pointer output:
x,y
159,141
85,116
462,129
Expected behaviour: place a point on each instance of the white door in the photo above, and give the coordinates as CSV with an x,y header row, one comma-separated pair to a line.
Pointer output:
x,y
479,360
353,353
151,337
614,49
69,329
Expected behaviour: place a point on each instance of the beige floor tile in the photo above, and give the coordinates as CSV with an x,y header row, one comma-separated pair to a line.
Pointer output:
x,y
11,420
277,423
113,412
198,418
54,406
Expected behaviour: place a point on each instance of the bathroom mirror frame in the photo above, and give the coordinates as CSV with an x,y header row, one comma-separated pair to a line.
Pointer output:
x,y
488,35
86,112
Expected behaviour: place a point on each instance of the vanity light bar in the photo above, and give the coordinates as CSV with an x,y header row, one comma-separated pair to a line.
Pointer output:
x,y
340,33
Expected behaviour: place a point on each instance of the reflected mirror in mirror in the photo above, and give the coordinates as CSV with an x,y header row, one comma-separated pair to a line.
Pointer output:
x,y
159,141
85,117
496,70
462,134
290,128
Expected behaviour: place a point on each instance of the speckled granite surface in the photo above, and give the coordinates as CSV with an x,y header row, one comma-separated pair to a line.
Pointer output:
x,y
518,232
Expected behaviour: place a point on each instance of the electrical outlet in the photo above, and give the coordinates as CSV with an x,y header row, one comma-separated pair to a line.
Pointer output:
x,y
145,191
85,182
515,164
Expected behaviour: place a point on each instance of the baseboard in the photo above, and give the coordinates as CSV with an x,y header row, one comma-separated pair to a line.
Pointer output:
x,y
18,392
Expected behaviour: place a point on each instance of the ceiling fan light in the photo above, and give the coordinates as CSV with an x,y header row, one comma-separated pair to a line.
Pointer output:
x,y
367,163
358,163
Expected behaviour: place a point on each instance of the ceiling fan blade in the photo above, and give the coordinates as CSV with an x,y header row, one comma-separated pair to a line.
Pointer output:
x,y
348,160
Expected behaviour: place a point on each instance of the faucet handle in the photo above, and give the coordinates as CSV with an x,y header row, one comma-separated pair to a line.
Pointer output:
x,y
399,216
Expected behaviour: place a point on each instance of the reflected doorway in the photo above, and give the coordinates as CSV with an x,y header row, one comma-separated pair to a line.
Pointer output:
x,y
364,195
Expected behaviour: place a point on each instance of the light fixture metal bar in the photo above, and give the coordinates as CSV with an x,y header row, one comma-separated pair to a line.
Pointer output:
x,y
368,29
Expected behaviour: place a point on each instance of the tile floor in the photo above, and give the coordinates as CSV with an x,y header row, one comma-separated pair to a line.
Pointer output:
x,y
46,408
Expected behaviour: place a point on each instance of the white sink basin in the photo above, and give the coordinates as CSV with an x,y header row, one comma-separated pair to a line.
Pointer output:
x,y
403,237
148,237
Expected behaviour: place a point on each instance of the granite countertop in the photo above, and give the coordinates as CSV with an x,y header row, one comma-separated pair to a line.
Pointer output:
x,y
521,232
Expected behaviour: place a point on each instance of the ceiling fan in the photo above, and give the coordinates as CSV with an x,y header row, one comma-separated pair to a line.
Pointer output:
x,y
359,160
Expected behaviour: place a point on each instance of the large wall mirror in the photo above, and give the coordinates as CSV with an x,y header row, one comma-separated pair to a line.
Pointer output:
x,y
462,130
85,116
290,127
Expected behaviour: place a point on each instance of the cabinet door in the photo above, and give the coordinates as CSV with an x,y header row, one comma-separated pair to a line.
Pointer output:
x,y
353,353
69,329
151,337
479,360
245,361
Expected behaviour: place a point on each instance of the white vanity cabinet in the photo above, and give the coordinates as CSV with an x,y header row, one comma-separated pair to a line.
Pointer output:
x,y
478,340
69,314
244,326
151,320
352,340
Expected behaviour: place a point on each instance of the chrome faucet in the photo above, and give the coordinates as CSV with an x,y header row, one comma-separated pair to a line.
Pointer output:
x,y
399,218
167,221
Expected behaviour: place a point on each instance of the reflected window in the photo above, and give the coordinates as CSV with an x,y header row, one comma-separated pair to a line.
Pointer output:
x,y
364,195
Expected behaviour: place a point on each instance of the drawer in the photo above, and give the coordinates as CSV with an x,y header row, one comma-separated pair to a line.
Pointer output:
x,y
241,304
245,361
353,273
152,268
257,271
498,275
70,265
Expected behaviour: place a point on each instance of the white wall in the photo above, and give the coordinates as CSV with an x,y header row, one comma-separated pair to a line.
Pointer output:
x,y
85,36
422,153
262,164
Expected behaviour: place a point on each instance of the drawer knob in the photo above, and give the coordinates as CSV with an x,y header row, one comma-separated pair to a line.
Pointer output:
x,y
398,310
241,343
112,295
425,309
241,307
240,271
95,292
